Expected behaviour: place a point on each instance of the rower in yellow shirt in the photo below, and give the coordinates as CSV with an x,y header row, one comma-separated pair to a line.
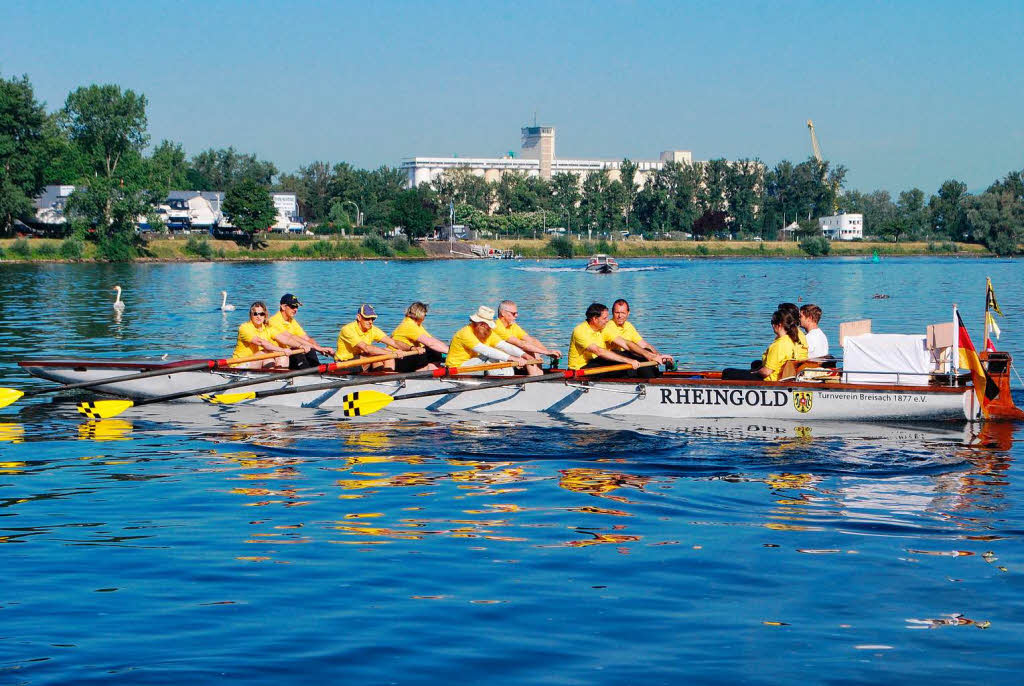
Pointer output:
x,y
588,346
476,344
507,329
624,339
357,338
287,332
801,343
411,332
255,337
781,350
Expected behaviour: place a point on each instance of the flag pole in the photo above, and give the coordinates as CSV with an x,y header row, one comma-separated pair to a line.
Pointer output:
x,y
954,361
988,286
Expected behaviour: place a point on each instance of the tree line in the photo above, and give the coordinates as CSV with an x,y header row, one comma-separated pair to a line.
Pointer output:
x,y
98,142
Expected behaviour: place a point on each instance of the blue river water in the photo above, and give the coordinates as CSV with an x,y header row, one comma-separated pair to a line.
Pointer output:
x,y
185,543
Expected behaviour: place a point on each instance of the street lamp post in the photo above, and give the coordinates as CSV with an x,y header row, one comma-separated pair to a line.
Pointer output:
x,y
359,215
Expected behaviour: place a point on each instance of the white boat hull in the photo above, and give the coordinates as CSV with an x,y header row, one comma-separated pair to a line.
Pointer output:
x,y
669,397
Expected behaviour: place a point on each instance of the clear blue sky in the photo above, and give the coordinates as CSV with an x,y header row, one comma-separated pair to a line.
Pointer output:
x,y
904,94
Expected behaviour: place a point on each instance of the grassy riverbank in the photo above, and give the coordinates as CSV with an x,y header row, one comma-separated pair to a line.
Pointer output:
x,y
197,248
538,248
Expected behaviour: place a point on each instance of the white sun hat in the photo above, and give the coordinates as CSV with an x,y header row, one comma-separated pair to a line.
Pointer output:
x,y
483,314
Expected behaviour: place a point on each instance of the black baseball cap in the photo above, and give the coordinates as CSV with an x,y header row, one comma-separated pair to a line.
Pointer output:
x,y
290,300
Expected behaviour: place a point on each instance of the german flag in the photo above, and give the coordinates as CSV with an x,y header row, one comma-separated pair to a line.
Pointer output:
x,y
984,386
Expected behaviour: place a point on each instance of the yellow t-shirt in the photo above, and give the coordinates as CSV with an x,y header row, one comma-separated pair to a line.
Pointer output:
x,y
408,331
626,332
800,352
505,332
246,332
277,324
460,350
582,337
350,336
778,353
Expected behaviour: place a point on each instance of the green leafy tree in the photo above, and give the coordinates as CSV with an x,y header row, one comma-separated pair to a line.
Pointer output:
x,y
709,224
912,209
166,169
415,210
518,193
22,151
602,203
339,216
713,192
894,228
565,197
376,192
249,208
470,189
215,170
682,183
65,162
877,207
947,215
109,128
314,190
630,190
744,180
996,218
816,246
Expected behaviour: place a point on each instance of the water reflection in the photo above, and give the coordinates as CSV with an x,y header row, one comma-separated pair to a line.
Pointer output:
x,y
105,430
12,432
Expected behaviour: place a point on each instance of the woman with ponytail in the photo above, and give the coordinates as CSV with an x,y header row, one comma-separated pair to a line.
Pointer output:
x,y
782,349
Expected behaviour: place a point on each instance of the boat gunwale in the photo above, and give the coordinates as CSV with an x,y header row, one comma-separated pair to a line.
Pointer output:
x,y
687,378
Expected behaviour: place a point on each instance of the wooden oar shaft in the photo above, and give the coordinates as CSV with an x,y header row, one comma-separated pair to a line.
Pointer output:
x,y
610,368
171,368
320,369
384,378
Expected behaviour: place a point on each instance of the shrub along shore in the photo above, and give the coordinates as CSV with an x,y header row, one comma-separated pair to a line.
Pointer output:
x,y
196,248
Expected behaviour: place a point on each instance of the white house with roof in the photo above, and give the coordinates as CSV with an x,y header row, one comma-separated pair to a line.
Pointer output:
x,y
842,226
192,210
50,205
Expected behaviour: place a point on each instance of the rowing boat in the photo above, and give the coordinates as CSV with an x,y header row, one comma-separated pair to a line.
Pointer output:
x,y
674,396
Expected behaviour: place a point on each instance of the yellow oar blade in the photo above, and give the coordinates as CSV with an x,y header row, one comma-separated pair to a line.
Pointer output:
x,y
9,395
227,398
362,403
103,409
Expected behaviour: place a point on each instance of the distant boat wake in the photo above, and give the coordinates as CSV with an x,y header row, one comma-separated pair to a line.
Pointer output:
x,y
577,269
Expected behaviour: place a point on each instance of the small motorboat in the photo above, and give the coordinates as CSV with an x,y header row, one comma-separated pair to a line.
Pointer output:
x,y
602,264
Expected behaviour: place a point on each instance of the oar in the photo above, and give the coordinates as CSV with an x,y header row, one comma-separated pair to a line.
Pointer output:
x,y
362,403
10,395
103,409
231,398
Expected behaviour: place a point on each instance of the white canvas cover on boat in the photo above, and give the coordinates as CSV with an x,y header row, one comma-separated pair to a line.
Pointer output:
x,y
906,354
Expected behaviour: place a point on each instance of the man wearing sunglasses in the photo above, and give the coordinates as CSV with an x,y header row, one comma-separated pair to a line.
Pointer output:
x,y
287,332
507,329
255,337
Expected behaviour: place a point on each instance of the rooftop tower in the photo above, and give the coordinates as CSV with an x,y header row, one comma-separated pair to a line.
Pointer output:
x,y
539,144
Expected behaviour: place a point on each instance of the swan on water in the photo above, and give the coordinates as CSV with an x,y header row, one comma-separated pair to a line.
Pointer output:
x,y
224,305
118,305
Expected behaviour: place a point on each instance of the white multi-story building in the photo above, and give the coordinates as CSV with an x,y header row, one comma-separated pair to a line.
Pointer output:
x,y
537,158
288,219
842,227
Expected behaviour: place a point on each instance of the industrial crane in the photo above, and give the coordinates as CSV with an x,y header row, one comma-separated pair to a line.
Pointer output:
x,y
817,155
814,141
